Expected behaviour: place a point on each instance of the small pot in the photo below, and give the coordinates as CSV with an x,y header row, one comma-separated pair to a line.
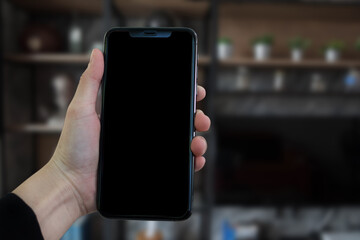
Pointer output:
x,y
297,54
332,55
261,51
224,50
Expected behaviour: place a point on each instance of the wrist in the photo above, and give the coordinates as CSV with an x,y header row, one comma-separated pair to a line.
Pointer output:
x,y
52,197
68,179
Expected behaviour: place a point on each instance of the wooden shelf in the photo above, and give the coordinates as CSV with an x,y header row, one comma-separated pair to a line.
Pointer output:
x,y
288,94
65,58
184,8
48,58
287,63
285,115
36,128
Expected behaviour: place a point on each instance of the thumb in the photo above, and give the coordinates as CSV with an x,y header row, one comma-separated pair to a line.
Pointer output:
x,y
90,80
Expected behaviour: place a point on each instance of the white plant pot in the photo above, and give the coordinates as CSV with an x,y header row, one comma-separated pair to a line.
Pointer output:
x,y
332,55
262,51
297,54
224,50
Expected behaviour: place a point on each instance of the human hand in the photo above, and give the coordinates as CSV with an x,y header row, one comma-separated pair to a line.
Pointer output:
x,y
77,152
65,188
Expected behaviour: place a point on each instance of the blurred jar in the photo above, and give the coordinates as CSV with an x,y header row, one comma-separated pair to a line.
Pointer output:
x,y
224,48
242,79
352,80
317,83
332,55
297,54
262,51
240,231
298,45
150,233
279,81
75,39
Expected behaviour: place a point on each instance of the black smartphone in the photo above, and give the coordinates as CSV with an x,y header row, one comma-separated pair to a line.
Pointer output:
x,y
146,165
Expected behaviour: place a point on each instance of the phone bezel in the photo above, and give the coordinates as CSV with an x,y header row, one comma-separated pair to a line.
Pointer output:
x,y
192,106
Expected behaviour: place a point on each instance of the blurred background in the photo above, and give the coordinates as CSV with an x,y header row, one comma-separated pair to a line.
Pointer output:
x,y
283,93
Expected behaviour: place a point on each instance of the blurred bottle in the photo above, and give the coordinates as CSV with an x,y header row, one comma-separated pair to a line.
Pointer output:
x,y
352,81
242,79
279,80
151,233
75,39
317,83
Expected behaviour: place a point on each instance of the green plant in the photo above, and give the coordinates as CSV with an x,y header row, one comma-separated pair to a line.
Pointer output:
x,y
357,44
266,39
224,40
299,43
334,44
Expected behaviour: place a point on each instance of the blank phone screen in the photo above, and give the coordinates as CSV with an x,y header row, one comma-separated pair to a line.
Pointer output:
x,y
146,164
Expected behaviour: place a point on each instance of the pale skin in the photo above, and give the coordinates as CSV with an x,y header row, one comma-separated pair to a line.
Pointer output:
x,y
65,188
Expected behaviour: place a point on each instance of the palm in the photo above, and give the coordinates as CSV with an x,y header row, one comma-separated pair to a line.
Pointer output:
x,y
78,148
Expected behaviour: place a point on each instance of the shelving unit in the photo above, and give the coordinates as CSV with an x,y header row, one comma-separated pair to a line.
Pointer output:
x,y
65,58
238,114
287,63
241,21
39,138
244,117
36,128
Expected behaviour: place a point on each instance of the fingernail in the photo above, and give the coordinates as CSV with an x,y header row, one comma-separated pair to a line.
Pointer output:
x,y
92,55
199,111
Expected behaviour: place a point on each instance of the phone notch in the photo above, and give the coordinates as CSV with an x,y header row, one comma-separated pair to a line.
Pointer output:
x,y
150,33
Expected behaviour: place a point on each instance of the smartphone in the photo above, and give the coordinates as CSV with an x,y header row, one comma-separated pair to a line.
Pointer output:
x,y
146,165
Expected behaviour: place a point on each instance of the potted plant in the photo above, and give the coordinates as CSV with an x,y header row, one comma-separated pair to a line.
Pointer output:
x,y
298,46
224,48
262,47
332,50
